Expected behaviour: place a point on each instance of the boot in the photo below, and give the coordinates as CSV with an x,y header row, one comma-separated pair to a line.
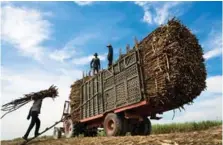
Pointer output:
x,y
24,137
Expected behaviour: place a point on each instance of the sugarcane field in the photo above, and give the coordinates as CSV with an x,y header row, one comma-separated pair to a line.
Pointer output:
x,y
107,73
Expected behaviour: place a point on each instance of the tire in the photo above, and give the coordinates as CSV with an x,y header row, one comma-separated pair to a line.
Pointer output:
x,y
145,127
124,127
68,128
113,125
142,128
56,133
134,130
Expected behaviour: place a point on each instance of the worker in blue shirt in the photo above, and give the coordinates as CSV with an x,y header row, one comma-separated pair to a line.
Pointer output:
x,y
110,55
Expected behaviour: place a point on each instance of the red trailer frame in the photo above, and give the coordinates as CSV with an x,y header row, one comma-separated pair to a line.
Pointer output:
x,y
118,110
127,113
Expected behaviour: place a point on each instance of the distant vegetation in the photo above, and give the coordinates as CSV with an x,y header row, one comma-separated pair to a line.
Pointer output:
x,y
184,127
180,127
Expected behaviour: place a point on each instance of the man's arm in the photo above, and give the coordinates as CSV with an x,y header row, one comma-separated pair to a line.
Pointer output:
x,y
29,113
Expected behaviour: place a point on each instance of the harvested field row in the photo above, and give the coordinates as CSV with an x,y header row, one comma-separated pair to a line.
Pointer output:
x,y
212,136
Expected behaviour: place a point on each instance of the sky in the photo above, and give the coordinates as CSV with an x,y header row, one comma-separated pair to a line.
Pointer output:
x,y
45,43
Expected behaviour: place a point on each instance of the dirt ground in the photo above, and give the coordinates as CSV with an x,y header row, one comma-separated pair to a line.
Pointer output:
x,y
211,136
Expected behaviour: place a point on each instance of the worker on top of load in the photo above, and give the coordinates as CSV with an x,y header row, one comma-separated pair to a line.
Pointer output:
x,y
110,55
34,112
95,64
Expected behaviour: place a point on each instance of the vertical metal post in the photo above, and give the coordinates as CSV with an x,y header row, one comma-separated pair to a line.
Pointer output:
x,y
93,95
102,92
141,77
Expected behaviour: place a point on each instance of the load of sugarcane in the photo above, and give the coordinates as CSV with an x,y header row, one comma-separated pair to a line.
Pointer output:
x,y
173,66
16,104
75,98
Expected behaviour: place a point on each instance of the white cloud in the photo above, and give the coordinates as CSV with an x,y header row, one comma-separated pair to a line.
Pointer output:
x,y
165,12
26,29
209,109
159,12
83,3
71,46
211,102
82,39
87,59
147,17
214,84
212,53
141,3
213,45
82,60
60,55
195,31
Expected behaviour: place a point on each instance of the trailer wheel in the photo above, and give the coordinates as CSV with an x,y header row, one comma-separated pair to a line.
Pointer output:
x,y
113,125
142,128
146,127
68,128
124,127
56,133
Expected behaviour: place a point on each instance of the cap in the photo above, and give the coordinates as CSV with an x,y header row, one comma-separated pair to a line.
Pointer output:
x,y
109,45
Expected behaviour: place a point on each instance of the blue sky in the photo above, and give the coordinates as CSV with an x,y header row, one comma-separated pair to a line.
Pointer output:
x,y
46,43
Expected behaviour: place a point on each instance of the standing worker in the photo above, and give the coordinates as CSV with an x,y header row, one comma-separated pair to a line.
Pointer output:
x,y
34,112
95,64
110,55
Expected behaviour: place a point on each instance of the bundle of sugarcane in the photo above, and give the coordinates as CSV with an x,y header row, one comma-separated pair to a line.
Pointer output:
x,y
16,104
173,66
75,98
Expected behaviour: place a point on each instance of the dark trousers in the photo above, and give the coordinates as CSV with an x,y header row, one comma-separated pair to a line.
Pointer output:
x,y
109,62
95,70
34,120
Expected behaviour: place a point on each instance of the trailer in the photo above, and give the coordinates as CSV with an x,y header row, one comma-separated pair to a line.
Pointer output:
x,y
113,99
164,71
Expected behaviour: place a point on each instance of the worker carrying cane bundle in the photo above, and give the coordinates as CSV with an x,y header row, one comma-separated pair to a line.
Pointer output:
x,y
34,112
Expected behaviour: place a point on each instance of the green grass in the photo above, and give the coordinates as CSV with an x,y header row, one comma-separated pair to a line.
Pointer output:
x,y
179,127
184,127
